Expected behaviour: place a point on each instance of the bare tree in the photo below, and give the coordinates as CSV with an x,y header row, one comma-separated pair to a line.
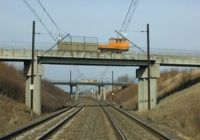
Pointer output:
x,y
125,79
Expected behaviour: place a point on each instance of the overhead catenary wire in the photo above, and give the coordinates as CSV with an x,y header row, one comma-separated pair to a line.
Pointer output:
x,y
124,22
104,73
130,41
80,75
40,20
55,44
47,13
129,15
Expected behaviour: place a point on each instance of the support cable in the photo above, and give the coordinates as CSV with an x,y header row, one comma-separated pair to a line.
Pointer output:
x,y
40,20
55,44
44,9
124,22
130,41
104,73
129,15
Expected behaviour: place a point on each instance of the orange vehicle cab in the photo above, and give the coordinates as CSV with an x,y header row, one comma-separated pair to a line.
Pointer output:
x,y
115,44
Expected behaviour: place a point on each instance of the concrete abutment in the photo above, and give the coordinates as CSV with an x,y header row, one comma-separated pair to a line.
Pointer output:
x,y
36,88
142,75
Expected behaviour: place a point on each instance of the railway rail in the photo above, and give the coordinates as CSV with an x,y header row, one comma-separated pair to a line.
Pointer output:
x,y
149,128
50,125
120,135
44,127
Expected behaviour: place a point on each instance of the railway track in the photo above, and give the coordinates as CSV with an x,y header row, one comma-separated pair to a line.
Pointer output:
x,y
119,133
124,126
91,123
112,112
46,126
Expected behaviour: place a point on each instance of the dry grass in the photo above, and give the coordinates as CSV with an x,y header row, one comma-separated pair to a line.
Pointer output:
x,y
169,83
177,82
11,83
180,112
53,97
126,97
13,112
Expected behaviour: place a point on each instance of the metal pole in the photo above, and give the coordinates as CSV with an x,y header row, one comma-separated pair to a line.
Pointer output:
x,y
70,76
112,81
71,90
112,86
32,67
99,94
149,63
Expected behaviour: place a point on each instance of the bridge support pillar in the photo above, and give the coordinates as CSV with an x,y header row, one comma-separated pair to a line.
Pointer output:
x,y
71,92
104,94
28,92
36,88
77,93
94,94
99,93
142,75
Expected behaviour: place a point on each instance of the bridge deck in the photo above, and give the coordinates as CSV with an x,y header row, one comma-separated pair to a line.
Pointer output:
x,y
97,58
89,83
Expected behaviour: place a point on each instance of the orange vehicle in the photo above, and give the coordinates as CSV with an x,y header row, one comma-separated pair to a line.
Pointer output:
x,y
115,45
121,44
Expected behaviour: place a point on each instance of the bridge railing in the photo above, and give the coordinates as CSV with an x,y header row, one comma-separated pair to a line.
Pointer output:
x,y
24,45
15,53
15,46
26,53
170,52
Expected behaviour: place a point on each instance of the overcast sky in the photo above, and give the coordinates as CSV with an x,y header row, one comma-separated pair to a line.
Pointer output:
x,y
174,24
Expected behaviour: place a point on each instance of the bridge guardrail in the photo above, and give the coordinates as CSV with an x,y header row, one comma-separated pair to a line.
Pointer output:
x,y
168,60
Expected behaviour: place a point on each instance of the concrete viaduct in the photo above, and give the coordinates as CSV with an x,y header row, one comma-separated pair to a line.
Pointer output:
x,y
100,86
56,57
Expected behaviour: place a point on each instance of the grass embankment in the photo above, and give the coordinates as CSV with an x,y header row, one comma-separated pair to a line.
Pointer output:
x,y
169,83
178,107
127,97
179,104
13,112
179,113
